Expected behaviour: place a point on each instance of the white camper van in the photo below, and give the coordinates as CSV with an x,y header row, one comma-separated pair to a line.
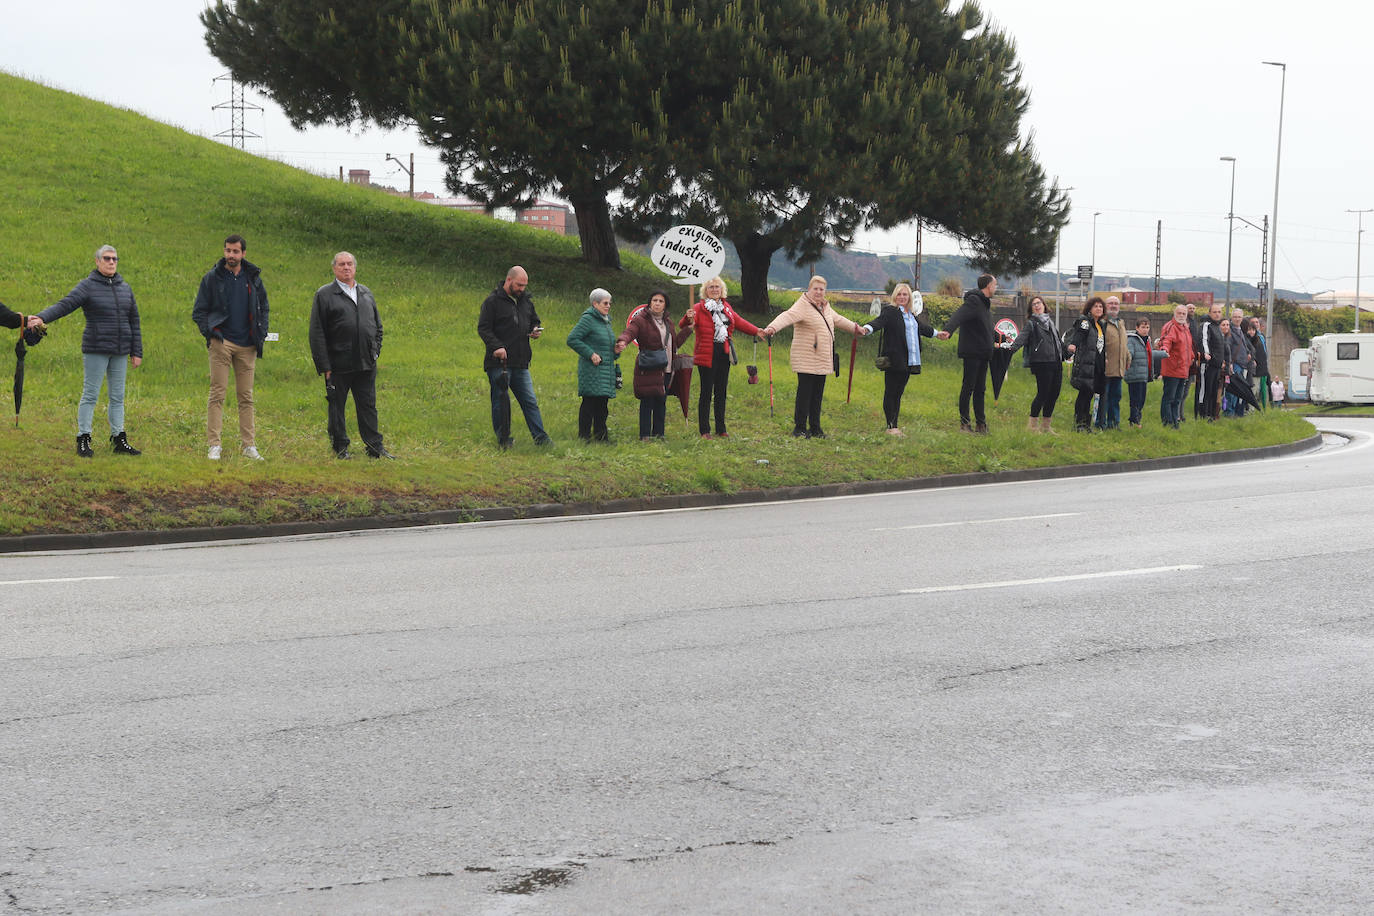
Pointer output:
x,y
1298,371
1342,367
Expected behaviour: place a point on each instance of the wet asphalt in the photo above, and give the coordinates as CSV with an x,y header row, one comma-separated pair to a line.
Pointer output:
x,y
1145,692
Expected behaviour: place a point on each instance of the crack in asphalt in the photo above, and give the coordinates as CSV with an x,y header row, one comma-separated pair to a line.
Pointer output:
x,y
263,802
952,681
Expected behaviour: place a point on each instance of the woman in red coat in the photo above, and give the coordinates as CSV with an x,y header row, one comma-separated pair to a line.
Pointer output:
x,y
1177,343
713,320
652,329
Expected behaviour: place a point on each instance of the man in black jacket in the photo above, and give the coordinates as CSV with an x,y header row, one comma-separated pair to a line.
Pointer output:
x,y
507,323
231,312
1211,363
973,321
345,341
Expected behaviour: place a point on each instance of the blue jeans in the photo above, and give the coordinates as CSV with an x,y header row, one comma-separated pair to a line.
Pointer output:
x,y
99,367
1109,405
1171,404
522,386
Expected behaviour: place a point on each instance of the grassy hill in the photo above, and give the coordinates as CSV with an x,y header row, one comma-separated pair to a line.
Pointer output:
x,y
78,174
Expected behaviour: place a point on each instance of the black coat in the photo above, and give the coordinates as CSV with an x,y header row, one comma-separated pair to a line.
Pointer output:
x,y
973,321
1089,363
212,306
9,319
1261,355
112,325
344,336
507,322
893,342
1212,344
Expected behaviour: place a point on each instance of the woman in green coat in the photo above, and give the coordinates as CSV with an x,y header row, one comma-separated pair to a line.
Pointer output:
x,y
594,342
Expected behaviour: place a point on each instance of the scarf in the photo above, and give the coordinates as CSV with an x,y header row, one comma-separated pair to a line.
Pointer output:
x,y
716,309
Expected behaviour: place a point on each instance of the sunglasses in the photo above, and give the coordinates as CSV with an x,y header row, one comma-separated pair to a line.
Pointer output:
x,y
108,257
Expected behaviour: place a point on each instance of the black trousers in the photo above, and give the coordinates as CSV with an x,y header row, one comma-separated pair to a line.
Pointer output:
x,y
1209,388
1049,381
973,389
806,415
714,380
363,385
651,415
894,384
591,417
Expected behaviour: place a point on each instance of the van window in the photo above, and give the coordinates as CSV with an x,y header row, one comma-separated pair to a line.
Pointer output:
x,y
1349,350
1305,368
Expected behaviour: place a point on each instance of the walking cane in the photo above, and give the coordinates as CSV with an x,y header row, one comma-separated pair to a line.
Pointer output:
x,y
853,352
770,376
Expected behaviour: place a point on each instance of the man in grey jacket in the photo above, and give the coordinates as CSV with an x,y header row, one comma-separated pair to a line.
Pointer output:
x,y
345,341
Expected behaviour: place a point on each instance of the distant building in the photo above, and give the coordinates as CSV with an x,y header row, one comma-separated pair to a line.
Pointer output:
x,y
1147,297
1337,299
545,214
360,176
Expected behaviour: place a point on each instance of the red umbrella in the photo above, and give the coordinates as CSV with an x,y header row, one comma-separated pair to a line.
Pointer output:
x,y
853,352
682,380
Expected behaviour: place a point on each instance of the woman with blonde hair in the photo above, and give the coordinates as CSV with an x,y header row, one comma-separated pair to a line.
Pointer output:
x,y
899,349
813,354
713,320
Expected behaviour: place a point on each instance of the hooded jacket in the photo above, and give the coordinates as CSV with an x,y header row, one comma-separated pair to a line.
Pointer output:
x,y
112,325
973,321
1177,343
211,310
813,337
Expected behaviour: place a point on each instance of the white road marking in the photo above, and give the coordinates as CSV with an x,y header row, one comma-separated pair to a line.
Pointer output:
x,y
1009,583
44,581
981,521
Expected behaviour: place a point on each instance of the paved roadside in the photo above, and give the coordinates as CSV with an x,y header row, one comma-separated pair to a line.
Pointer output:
x,y
109,539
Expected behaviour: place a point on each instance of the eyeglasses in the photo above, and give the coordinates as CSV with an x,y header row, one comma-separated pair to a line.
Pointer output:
x,y
109,257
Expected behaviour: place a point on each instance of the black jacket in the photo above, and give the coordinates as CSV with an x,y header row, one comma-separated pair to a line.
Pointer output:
x,y
506,322
9,319
212,309
893,342
1242,354
111,315
1041,342
973,321
1089,363
344,336
1261,355
1212,344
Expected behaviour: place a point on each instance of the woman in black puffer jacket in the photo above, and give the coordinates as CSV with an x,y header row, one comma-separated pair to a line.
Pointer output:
x,y
1043,357
111,342
1089,373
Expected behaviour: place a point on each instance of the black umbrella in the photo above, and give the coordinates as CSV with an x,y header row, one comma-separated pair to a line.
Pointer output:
x,y
32,336
1241,389
503,386
1001,359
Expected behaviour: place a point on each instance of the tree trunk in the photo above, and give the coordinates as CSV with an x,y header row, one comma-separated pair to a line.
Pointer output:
x,y
594,229
755,257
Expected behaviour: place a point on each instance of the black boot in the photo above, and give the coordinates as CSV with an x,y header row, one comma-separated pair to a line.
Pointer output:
x,y
83,446
122,446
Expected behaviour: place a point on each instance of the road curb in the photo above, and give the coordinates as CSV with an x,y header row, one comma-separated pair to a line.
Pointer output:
x,y
28,543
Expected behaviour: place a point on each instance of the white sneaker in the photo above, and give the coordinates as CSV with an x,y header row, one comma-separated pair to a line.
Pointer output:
x,y
213,454
252,452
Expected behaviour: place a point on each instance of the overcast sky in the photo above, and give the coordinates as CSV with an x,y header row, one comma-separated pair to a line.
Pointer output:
x,y
1132,104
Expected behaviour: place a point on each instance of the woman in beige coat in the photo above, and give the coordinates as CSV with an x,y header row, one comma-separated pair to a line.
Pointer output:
x,y
813,353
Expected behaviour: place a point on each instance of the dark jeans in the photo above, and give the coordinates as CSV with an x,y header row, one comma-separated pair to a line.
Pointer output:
x,y
591,417
714,380
806,415
1136,392
1049,380
518,382
1171,402
363,385
651,414
973,389
1109,405
894,384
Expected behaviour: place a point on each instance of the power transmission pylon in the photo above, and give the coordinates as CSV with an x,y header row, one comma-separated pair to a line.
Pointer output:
x,y
236,105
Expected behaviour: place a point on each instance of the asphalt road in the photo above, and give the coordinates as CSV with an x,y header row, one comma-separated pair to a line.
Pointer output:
x,y
1148,692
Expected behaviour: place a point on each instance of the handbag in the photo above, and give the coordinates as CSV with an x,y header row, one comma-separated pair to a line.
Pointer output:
x,y
651,360
881,361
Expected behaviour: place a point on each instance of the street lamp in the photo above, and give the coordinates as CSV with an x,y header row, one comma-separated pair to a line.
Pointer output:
x,y
1058,278
1358,233
1274,224
1092,281
1230,229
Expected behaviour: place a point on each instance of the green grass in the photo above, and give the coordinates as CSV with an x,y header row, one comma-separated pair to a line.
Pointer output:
x,y
79,174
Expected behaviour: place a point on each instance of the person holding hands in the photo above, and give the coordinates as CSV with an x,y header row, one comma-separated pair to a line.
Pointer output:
x,y
713,320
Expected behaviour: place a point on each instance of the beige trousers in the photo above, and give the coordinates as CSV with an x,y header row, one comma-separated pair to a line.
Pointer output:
x,y
225,356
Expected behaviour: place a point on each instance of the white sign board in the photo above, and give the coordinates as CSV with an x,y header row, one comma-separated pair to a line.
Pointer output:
x,y
688,254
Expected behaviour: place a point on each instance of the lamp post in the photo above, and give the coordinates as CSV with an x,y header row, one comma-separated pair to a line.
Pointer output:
x,y
1359,222
1092,282
1230,229
1058,250
1274,223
